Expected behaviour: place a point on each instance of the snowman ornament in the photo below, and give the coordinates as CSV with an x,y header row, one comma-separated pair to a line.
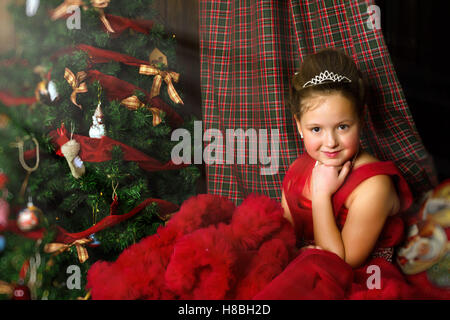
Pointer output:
x,y
97,129
31,7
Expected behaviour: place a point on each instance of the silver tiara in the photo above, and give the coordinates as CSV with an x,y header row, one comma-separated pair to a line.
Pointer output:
x,y
325,77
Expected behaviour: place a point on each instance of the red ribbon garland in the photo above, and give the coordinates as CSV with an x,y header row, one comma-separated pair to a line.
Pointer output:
x,y
111,220
97,55
12,227
117,89
120,24
99,150
24,270
13,61
11,101
120,90
165,208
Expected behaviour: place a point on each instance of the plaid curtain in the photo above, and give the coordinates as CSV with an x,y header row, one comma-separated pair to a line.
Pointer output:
x,y
249,51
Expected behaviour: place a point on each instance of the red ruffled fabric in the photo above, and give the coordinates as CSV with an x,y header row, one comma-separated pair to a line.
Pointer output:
x,y
319,274
211,249
208,250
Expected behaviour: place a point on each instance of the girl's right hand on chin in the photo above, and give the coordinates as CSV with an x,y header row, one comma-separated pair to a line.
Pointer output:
x,y
327,179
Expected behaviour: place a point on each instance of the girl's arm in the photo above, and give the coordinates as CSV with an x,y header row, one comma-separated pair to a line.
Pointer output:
x,y
375,201
325,181
326,234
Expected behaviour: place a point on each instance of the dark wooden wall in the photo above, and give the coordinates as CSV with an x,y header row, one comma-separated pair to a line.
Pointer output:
x,y
7,31
180,17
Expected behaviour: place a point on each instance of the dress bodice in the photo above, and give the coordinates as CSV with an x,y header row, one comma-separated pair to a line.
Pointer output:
x,y
299,174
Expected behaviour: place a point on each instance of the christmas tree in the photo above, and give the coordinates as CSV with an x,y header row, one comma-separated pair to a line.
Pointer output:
x,y
88,102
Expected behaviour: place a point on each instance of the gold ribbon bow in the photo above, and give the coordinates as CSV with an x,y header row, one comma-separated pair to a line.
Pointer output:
x,y
77,84
6,288
57,248
61,10
167,76
86,297
100,5
133,103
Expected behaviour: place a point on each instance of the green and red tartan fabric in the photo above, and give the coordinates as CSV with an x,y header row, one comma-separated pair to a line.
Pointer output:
x,y
249,51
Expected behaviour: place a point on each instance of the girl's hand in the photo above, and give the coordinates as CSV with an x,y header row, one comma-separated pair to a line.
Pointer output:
x,y
326,180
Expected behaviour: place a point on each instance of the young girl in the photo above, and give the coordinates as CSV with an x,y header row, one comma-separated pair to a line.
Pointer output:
x,y
338,197
327,100
332,237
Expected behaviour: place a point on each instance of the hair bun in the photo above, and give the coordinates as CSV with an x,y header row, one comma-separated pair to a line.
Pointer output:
x,y
325,71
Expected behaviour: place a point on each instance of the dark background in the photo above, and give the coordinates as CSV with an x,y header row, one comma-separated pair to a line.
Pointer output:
x,y
416,33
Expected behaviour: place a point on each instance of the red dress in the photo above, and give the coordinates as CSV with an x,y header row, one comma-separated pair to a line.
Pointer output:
x,y
320,274
212,249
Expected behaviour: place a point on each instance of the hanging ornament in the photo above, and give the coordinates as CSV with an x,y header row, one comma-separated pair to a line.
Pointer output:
x,y
45,91
41,91
94,242
97,129
2,243
28,218
32,7
158,58
21,292
52,91
20,145
70,150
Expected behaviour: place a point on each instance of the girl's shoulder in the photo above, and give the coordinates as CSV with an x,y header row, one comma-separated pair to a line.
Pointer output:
x,y
376,182
364,158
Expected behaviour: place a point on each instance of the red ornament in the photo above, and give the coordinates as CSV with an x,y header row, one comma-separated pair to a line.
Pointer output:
x,y
21,292
28,218
3,180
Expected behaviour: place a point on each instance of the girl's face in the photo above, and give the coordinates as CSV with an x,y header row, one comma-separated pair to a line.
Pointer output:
x,y
330,129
